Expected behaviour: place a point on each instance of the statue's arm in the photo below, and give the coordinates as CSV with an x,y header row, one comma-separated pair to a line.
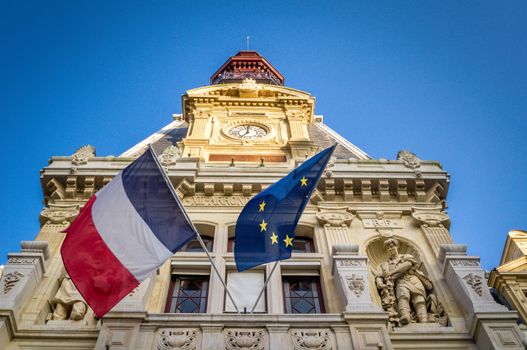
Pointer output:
x,y
402,268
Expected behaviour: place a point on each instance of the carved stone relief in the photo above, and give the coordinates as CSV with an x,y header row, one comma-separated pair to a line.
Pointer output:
x,y
475,282
169,155
311,339
176,339
334,219
58,214
406,291
328,172
431,219
83,154
67,303
244,339
356,284
410,160
10,280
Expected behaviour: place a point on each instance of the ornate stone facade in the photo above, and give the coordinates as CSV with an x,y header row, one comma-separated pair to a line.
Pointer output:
x,y
340,289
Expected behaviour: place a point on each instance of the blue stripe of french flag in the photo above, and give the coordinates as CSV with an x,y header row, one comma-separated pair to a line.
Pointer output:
x,y
123,233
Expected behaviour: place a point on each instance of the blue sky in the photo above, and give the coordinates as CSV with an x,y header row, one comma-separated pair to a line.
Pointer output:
x,y
444,79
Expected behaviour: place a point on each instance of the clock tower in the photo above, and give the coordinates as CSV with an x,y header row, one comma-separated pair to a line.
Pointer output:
x,y
247,115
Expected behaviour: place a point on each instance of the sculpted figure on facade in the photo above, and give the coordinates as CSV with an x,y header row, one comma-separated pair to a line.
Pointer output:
x,y
68,304
406,292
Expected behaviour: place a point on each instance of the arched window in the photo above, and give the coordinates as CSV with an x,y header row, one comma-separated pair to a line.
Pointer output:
x,y
207,235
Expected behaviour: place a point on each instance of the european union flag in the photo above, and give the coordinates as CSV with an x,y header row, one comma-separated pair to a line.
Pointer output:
x,y
265,229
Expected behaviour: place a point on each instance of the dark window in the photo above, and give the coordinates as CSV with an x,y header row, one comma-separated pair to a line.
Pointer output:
x,y
302,295
188,294
303,245
195,246
230,244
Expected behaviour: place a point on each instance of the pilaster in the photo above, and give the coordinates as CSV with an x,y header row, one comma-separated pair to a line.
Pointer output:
x,y
433,224
491,325
21,275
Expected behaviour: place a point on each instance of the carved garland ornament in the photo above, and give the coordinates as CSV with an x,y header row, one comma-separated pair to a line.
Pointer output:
x,y
10,280
311,339
356,284
475,282
244,339
176,339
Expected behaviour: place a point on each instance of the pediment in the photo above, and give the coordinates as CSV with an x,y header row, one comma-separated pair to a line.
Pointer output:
x,y
518,265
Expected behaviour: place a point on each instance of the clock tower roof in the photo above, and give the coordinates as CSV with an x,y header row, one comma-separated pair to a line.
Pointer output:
x,y
247,65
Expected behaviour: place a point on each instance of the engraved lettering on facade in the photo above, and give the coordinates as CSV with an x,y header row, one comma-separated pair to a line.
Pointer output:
x,y
212,201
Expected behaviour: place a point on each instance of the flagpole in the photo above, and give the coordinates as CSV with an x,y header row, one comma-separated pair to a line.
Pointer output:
x,y
265,285
173,191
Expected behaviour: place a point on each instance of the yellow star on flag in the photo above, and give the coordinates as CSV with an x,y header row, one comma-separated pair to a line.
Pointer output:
x,y
303,181
288,241
262,206
263,226
274,238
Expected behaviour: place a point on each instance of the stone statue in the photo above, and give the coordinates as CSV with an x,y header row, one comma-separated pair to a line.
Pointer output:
x,y
68,304
406,292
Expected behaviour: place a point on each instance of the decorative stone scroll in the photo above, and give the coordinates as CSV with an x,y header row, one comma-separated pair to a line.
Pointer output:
x,y
58,213
10,280
83,154
169,155
244,339
176,339
311,339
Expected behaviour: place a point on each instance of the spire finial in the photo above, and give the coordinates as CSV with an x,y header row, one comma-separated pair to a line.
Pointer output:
x,y
248,40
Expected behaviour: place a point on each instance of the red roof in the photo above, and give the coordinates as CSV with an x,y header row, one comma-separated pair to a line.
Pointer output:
x,y
244,65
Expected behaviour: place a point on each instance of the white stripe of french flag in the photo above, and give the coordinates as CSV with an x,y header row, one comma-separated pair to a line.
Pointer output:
x,y
124,232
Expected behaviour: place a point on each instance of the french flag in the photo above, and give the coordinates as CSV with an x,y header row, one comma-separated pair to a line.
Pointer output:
x,y
124,232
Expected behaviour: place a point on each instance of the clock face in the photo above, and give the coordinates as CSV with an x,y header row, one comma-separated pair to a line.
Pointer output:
x,y
247,132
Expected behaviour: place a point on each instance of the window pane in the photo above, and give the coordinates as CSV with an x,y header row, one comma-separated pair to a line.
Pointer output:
x,y
188,294
302,295
244,288
303,245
